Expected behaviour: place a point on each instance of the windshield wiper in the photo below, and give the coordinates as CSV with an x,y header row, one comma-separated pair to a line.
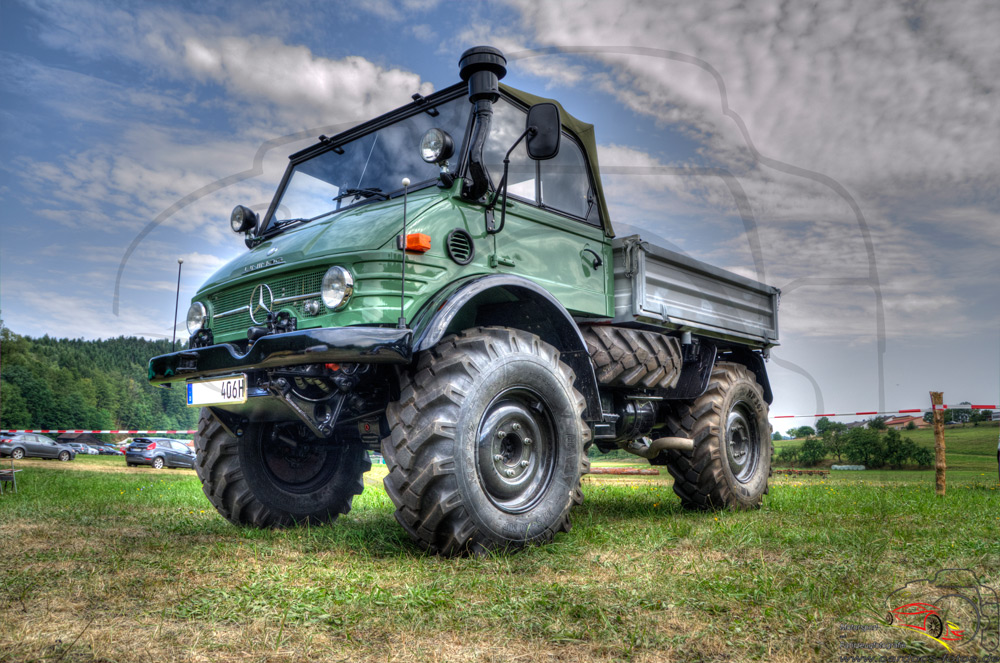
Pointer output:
x,y
362,193
275,226
286,222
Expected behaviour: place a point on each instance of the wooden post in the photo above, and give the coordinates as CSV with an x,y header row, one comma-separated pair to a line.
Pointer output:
x,y
937,400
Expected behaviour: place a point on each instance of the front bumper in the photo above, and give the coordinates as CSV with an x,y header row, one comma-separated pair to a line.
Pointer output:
x,y
360,345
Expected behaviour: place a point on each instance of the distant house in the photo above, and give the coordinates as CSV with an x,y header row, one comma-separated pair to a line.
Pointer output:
x,y
856,424
82,438
899,423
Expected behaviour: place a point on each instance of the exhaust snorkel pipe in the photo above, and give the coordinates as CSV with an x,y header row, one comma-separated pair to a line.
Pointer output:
x,y
482,67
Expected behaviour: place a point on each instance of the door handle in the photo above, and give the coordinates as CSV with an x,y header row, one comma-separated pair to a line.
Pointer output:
x,y
597,258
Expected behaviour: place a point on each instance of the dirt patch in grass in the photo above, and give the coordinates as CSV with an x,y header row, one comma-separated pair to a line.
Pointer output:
x,y
95,464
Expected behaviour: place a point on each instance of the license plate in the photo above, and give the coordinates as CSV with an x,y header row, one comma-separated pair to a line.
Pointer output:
x,y
218,392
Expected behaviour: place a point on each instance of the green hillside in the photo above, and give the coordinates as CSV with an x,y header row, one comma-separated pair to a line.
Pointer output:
x,y
72,383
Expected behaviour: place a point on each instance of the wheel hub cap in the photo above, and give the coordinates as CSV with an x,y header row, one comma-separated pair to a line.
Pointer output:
x,y
515,452
742,451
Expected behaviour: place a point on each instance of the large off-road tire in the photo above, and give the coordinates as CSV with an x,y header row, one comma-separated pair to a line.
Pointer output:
x,y
487,444
261,480
632,358
731,460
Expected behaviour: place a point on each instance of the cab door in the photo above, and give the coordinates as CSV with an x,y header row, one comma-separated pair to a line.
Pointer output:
x,y
552,230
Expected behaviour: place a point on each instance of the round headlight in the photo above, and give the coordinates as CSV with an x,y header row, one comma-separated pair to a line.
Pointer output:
x,y
242,219
338,284
196,317
436,146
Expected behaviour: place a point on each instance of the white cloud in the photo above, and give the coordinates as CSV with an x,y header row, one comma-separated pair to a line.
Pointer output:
x,y
396,11
284,86
72,312
423,32
305,89
551,68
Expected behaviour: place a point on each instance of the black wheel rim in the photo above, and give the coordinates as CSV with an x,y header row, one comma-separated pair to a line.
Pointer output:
x,y
516,450
743,446
293,464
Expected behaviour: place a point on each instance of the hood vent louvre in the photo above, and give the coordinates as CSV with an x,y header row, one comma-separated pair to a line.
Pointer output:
x,y
461,248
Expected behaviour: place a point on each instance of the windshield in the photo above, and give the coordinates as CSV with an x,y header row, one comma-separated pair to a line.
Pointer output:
x,y
370,166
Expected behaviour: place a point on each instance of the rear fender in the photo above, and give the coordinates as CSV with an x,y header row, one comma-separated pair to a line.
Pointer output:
x,y
755,363
509,301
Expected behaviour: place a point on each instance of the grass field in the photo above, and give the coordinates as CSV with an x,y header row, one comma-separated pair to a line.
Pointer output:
x,y
969,447
107,563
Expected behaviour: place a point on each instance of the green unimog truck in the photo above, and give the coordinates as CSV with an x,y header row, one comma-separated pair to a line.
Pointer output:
x,y
442,283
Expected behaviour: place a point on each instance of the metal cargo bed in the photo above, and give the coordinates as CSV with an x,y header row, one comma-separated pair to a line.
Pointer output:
x,y
654,286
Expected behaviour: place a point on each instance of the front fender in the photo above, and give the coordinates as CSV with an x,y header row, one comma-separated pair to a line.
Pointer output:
x,y
506,300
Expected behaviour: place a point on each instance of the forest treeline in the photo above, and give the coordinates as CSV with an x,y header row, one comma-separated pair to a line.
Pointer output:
x,y
72,383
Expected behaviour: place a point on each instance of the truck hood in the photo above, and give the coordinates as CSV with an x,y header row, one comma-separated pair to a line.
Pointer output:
x,y
364,228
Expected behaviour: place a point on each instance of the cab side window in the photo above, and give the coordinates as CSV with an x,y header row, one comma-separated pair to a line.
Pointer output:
x,y
507,124
564,180
561,183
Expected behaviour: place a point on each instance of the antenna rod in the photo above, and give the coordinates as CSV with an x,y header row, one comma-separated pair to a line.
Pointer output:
x,y
402,245
177,300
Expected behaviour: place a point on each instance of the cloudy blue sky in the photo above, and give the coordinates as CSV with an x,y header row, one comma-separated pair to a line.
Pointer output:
x,y
846,152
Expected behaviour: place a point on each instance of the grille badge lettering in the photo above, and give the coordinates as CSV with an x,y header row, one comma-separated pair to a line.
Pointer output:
x,y
264,264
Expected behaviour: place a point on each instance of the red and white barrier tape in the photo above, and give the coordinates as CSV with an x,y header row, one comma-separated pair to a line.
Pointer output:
x,y
910,411
125,432
779,416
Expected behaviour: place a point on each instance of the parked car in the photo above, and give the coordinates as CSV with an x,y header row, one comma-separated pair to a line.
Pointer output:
x,y
81,448
107,450
159,452
31,445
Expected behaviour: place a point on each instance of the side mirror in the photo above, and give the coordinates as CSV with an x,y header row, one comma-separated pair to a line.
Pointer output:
x,y
544,130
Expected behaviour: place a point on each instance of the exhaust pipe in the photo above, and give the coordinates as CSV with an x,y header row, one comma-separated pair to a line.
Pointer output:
x,y
482,67
648,449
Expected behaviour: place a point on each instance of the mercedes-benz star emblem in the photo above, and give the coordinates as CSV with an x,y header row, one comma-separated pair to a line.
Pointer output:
x,y
261,301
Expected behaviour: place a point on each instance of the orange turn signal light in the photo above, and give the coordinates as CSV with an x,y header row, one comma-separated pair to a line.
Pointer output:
x,y
418,242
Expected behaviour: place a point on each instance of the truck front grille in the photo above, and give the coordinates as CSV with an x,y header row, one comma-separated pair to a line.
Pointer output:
x,y
231,307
